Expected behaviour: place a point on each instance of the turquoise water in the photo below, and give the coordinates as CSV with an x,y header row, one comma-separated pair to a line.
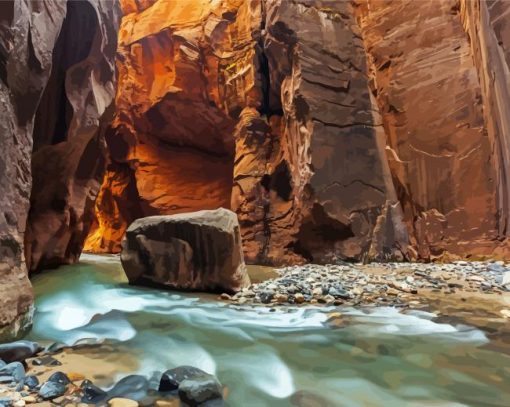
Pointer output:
x,y
288,357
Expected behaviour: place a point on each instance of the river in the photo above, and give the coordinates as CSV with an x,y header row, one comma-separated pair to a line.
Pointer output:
x,y
283,357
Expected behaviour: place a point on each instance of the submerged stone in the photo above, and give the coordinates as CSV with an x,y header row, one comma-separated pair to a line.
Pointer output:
x,y
14,370
133,387
199,390
59,377
31,382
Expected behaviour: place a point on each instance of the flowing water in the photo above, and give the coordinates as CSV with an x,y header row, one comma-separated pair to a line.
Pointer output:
x,y
290,357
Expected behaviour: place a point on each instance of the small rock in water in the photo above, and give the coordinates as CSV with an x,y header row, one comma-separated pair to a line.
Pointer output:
x,y
171,379
6,379
281,298
5,401
29,399
506,278
392,291
505,313
339,292
225,297
56,347
133,387
200,389
317,291
51,390
299,298
122,402
46,361
266,297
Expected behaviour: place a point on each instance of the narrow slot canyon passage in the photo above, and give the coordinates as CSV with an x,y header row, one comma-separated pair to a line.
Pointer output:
x,y
254,203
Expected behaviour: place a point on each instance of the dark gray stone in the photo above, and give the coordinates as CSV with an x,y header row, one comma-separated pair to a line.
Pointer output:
x,y
6,402
134,387
51,390
266,296
18,351
31,381
92,394
59,377
171,379
201,389
339,292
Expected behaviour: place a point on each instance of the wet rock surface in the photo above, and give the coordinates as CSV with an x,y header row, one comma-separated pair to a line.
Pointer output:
x,y
191,251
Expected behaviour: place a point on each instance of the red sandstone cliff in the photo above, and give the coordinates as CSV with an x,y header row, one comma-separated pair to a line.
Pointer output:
x,y
274,94
336,130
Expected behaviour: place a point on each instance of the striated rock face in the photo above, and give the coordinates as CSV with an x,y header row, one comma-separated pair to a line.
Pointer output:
x,y
25,62
488,27
39,52
191,251
68,155
445,147
350,130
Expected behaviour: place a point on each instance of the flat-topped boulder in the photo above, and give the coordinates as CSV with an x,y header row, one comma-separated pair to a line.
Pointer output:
x,y
199,251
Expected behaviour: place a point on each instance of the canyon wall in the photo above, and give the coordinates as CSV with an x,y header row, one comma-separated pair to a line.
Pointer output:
x,y
336,130
39,51
68,160
263,107
447,163
186,71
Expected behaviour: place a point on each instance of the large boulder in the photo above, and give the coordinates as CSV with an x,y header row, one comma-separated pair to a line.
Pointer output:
x,y
189,251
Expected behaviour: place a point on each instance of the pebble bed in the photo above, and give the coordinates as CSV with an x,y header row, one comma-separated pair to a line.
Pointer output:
x,y
19,387
385,284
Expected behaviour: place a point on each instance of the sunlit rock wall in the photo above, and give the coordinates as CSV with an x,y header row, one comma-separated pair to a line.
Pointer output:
x,y
335,129
186,71
259,106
